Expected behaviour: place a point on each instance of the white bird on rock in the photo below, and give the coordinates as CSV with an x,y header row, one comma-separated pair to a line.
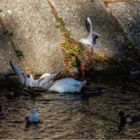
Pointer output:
x,y
92,37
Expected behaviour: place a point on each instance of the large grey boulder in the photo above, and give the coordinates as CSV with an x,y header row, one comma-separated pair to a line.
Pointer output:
x,y
128,15
34,33
33,29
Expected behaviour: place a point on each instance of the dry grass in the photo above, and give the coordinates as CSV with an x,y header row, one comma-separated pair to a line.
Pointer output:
x,y
72,50
76,54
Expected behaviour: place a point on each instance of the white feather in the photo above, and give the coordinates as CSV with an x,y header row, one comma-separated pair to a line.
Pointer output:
x,y
67,85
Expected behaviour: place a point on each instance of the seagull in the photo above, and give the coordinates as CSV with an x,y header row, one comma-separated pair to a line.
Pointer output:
x,y
33,119
47,81
92,37
28,80
67,85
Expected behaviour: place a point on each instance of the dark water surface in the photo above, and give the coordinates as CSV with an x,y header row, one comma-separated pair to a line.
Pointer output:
x,y
72,116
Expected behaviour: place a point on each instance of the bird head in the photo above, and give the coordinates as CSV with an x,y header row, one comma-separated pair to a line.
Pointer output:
x,y
35,110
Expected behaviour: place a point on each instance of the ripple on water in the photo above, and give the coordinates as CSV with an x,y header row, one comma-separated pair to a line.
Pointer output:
x,y
70,116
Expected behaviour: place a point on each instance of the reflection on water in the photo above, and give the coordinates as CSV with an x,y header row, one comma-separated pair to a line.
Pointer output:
x,y
66,116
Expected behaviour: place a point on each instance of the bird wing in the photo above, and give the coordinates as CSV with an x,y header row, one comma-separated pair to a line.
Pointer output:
x,y
89,25
19,72
46,78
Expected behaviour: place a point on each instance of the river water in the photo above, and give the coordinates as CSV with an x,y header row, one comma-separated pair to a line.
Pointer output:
x,y
74,116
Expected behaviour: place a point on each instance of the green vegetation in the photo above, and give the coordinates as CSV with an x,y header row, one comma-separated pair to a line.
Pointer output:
x,y
19,53
75,54
72,49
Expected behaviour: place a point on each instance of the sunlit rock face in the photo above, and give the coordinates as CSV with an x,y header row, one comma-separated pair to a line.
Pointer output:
x,y
34,33
32,28
128,15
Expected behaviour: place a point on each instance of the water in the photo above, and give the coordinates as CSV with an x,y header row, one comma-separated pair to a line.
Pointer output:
x,y
72,116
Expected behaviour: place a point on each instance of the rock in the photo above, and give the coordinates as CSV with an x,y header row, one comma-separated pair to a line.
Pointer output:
x,y
6,52
128,15
29,29
74,14
33,33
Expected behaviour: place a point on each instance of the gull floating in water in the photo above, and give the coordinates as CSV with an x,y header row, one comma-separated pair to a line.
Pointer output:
x,y
91,40
33,119
127,119
67,85
47,82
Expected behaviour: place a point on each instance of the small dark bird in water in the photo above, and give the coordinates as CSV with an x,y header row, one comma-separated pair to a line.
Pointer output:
x,y
33,119
127,119
122,121
2,116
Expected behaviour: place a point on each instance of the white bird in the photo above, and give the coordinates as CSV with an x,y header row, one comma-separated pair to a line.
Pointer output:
x,y
46,79
19,72
67,85
24,79
28,80
47,82
92,37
